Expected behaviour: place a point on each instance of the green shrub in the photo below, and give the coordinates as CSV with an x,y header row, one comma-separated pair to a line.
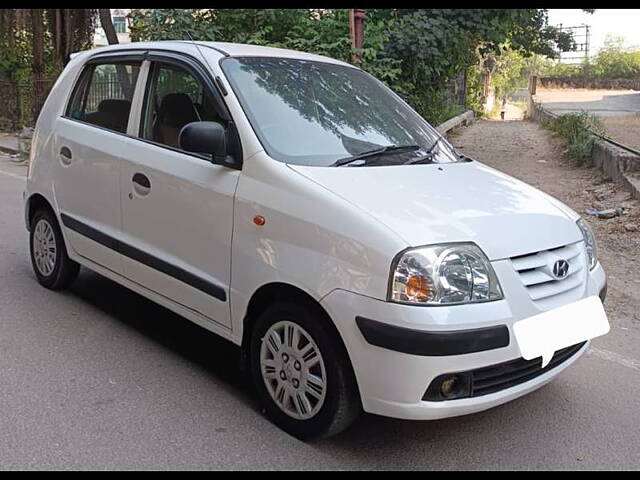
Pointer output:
x,y
434,106
576,129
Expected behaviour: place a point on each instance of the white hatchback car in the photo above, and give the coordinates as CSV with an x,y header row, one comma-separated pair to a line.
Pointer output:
x,y
294,205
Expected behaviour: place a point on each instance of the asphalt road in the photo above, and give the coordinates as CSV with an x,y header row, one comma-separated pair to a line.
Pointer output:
x,y
98,377
604,103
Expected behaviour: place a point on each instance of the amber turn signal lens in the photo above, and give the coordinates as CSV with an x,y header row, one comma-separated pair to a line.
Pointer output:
x,y
418,288
259,220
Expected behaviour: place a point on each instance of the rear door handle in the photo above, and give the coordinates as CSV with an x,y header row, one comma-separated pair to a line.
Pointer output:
x,y
141,184
65,155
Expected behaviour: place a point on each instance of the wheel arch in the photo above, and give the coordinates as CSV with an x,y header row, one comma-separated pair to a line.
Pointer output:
x,y
270,293
278,291
34,203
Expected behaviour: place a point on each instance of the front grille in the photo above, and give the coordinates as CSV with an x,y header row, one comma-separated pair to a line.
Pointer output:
x,y
494,378
544,289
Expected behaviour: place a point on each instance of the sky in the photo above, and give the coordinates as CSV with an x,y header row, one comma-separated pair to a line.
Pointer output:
x,y
620,22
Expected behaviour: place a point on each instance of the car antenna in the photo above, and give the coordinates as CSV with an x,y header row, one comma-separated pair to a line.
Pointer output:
x,y
221,86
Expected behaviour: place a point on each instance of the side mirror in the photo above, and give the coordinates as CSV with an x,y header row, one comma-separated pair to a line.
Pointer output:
x,y
205,137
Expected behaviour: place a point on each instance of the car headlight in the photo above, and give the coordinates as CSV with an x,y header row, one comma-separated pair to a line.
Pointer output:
x,y
444,274
589,242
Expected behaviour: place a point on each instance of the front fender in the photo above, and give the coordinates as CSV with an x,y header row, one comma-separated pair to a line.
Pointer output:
x,y
311,239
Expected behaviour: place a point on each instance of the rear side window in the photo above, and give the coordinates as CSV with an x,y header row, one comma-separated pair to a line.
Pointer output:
x,y
103,95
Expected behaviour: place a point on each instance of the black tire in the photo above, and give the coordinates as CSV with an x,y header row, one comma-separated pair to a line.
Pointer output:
x,y
65,270
341,404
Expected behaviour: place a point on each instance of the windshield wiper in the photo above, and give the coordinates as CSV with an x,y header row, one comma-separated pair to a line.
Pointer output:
x,y
378,151
428,155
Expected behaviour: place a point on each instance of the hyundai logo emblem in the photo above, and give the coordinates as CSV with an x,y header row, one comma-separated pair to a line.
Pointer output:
x,y
560,269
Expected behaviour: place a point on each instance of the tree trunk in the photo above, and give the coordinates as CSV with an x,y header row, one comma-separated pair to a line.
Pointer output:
x,y
57,37
11,27
67,22
107,26
3,14
112,38
37,66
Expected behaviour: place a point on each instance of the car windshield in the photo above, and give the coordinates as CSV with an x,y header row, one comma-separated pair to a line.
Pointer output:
x,y
322,114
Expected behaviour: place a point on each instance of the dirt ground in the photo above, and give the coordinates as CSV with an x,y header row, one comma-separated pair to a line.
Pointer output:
x,y
512,112
526,151
624,129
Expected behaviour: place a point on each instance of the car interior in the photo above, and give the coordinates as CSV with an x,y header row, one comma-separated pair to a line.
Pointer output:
x,y
112,114
173,101
175,111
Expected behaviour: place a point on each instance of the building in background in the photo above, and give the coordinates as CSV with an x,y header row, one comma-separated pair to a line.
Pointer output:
x,y
120,24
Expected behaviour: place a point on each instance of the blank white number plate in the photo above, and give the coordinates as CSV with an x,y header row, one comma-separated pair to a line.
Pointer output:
x,y
545,333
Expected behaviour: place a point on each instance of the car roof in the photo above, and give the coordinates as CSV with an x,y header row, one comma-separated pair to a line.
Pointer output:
x,y
224,48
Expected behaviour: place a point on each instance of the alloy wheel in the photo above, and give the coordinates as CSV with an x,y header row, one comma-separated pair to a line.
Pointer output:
x,y
44,247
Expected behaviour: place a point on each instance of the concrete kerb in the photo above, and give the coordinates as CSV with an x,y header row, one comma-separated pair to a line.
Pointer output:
x,y
9,146
18,143
617,163
463,119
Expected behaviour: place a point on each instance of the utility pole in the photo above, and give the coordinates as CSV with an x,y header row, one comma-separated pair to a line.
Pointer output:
x,y
37,65
357,17
586,48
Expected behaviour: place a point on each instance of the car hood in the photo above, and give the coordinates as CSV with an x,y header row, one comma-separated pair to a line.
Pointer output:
x,y
456,202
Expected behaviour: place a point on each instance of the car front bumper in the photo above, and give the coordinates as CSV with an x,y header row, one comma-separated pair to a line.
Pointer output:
x,y
393,374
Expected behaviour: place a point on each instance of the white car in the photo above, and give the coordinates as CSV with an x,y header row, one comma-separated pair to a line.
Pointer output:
x,y
294,205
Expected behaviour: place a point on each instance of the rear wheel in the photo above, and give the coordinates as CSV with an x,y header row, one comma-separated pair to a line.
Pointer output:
x,y
301,373
53,268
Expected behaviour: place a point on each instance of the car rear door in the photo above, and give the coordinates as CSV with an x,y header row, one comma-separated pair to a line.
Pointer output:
x,y
88,145
177,206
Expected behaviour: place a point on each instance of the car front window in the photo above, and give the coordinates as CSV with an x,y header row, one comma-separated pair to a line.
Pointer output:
x,y
316,113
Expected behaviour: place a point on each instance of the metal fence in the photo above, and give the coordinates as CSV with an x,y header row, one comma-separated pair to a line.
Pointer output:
x,y
102,90
20,103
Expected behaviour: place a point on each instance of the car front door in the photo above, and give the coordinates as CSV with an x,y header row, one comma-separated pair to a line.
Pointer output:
x,y
87,144
177,206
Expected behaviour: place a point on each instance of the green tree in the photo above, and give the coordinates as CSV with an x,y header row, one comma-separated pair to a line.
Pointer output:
x,y
415,51
435,45
511,73
41,40
615,61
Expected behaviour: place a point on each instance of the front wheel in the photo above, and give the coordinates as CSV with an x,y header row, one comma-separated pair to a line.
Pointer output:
x,y
301,373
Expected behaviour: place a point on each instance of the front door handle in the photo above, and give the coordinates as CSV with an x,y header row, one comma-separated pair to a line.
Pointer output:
x,y
141,184
65,155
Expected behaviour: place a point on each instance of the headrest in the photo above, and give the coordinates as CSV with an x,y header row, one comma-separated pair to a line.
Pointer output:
x,y
176,110
115,107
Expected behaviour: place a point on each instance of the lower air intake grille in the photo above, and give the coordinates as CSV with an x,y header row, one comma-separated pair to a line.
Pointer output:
x,y
502,375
